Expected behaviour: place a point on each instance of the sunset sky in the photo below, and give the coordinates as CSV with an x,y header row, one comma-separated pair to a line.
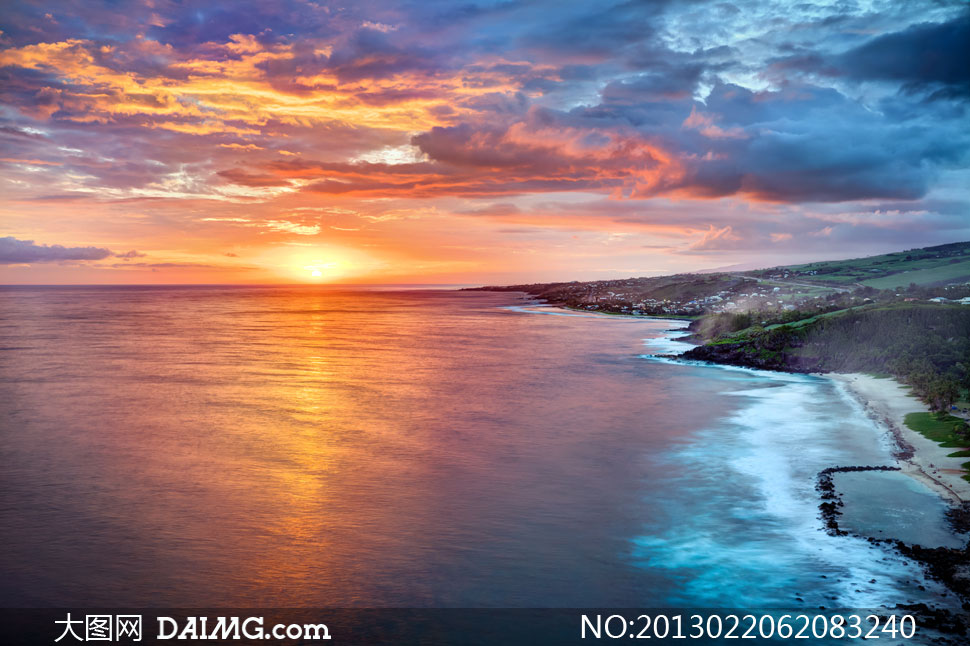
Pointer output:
x,y
474,142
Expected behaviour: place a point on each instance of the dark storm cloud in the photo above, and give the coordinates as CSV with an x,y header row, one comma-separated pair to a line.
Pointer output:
x,y
926,57
806,143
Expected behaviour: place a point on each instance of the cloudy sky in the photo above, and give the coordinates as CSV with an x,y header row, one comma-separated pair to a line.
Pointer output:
x,y
474,142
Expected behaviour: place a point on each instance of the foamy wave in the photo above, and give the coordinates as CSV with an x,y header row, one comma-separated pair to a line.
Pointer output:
x,y
756,471
547,309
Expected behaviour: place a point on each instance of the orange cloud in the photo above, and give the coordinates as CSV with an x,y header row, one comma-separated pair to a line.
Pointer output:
x,y
235,85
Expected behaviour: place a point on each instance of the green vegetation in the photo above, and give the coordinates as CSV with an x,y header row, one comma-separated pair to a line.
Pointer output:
x,y
925,345
718,325
946,430
805,321
951,272
928,266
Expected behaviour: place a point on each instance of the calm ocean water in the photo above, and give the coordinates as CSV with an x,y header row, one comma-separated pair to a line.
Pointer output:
x,y
303,447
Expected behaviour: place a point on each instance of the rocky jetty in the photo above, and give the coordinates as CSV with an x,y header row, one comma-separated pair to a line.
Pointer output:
x,y
950,566
830,507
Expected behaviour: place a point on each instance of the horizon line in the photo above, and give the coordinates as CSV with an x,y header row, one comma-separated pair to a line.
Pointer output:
x,y
3,285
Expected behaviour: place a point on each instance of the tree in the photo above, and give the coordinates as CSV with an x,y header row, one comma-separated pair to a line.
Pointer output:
x,y
965,378
941,393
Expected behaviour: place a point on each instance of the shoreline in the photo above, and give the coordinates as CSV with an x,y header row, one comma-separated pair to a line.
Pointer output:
x,y
885,402
888,402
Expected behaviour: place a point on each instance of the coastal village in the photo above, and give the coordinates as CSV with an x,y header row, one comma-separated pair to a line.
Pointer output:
x,y
750,294
936,274
690,296
758,297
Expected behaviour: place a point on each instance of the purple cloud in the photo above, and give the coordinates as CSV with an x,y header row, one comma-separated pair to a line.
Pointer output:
x,y
14,251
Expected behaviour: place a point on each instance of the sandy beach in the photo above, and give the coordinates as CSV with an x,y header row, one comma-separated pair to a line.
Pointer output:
x,y
889,402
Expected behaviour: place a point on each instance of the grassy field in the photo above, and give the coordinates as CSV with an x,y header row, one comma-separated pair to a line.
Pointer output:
x,y
956,272
939,428
812,319
941,264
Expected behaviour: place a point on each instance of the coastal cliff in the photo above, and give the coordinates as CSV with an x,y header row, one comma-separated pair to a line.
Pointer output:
x,y
747,355
924,345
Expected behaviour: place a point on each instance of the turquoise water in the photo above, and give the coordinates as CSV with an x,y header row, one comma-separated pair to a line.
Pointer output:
x,y
885,504
303,447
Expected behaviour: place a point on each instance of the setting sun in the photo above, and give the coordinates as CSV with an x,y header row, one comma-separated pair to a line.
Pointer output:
x,y
316,264
318,269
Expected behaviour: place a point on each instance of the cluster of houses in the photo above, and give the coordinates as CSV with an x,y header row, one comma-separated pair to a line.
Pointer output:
x,y
693,294
958,301
757,298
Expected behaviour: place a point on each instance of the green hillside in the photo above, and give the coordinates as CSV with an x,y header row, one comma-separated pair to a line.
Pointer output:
x,y
940,265
952,272
926,345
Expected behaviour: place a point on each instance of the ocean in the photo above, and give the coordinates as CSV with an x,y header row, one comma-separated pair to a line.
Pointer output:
x,y
299,446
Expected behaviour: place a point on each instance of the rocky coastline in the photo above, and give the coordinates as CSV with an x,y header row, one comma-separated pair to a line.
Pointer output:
x,y
950,566
746,356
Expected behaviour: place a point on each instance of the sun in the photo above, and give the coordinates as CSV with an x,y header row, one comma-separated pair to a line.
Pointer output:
x,y
318,264
316,270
